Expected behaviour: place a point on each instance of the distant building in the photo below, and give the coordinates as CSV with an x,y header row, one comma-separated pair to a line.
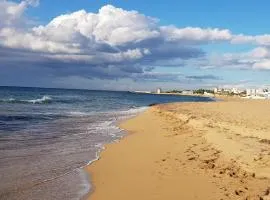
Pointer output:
x,y
267,95
248,92
235,91
257,93
187,92
215,90
253,92
227,90
260,92
158,91
208,94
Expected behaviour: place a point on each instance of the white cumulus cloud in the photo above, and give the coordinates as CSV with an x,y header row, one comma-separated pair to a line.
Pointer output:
x,y
195,34
11,13
114,42
263,40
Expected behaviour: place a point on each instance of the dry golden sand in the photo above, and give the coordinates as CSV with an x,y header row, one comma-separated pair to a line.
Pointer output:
x,y
217,150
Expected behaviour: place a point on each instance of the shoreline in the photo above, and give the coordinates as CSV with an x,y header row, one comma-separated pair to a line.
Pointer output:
x,y
101,185
104,147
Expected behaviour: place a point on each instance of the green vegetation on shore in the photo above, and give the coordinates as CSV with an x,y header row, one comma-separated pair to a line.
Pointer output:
x,y
174,91
202,91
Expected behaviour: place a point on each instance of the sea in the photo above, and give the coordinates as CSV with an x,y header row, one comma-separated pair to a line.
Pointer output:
x,y
47,137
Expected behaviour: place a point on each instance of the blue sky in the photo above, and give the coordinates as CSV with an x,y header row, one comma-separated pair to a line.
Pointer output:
x,y
248,17
124,45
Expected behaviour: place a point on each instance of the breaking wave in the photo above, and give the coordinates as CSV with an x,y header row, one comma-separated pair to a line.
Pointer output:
x,y
43,100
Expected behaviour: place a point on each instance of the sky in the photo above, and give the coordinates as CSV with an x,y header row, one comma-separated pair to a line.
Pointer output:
x,y
135,45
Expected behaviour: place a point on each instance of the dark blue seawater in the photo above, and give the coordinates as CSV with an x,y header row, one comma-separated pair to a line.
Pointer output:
x,y
48,135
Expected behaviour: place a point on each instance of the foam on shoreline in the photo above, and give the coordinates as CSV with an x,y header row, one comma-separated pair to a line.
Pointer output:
x,y
123,115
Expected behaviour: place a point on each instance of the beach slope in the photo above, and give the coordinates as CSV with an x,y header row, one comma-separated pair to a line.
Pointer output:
x,y
215,150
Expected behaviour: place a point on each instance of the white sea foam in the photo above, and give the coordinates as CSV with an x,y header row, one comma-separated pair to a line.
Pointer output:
x,y
44,99
11,100
85,185
96,158
78,113
110,128
134,110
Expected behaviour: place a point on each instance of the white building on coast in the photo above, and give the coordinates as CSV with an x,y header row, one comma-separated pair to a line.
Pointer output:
x,y
258,93
187,92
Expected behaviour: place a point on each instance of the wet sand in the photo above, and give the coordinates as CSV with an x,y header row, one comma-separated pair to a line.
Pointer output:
x,y
215,150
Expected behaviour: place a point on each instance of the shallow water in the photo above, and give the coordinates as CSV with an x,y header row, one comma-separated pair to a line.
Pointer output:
x,y
48,135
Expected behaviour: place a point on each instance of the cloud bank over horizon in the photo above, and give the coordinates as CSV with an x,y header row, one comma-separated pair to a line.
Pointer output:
x,y
115,44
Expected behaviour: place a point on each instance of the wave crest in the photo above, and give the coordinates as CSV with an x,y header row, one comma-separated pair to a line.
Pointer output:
x,y
45,99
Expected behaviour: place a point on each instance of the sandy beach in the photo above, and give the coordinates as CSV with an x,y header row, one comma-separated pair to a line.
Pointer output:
x,y
213,150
